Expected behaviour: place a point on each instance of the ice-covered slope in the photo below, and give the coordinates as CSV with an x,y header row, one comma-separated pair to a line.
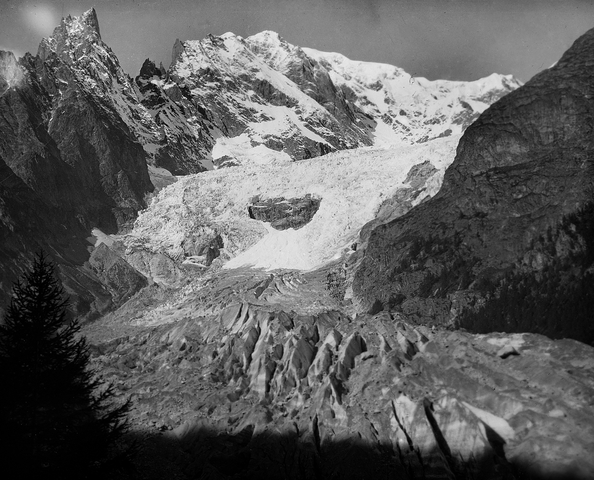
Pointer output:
x,y
353,188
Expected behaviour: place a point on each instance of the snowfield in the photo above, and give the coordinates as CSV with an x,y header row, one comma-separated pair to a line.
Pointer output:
x,y
352,185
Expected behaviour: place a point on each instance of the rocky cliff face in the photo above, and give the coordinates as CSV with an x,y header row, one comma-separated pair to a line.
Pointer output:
x,y
283,213
63,132
64,137
76,54
519,169
184,126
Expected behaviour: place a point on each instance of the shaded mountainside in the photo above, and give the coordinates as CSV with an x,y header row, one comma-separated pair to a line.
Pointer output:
x,y
520,169
69,162
30,224
557,299
64,140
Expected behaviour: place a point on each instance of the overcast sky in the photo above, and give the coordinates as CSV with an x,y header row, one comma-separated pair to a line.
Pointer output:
x,y
452,39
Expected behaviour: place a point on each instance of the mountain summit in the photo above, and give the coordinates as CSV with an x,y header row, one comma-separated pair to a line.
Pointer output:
x,y
237,100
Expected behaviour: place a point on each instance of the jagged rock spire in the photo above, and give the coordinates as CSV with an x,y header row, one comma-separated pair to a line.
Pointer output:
x,y
90,19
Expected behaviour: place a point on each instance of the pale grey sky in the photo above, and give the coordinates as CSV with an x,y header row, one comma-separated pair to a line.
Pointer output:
x,y
453,39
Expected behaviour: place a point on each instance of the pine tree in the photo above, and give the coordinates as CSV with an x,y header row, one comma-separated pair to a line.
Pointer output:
x,y
57,416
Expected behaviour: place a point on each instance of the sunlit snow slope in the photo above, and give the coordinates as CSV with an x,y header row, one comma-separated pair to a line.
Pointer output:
x,y
352,186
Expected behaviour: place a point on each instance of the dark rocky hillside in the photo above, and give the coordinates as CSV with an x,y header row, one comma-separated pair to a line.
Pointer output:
x,y
69,162
520,169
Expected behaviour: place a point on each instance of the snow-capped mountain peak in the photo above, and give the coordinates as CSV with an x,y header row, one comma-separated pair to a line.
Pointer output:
x,y
73,33
226,100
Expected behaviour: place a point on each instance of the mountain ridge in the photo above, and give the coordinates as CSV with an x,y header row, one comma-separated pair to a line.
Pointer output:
x,y
311,114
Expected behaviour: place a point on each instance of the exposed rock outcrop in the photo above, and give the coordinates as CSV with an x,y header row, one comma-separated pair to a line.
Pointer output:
x,y
184,127
64,138
116,274
283,213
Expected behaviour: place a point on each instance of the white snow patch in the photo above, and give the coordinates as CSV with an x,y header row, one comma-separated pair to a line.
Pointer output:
x,y
498,424
240,148
515,340
101,237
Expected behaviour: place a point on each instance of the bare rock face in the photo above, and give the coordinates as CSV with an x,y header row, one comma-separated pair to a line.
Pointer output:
x,y
116,274
520,169
64,139
184,127
29,224
283,213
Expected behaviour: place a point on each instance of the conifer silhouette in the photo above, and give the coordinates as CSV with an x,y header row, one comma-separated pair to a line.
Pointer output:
x,y
58,418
